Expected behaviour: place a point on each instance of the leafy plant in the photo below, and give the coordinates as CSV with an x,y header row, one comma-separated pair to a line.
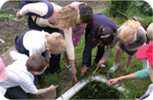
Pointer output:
x,y
15,10
6,10
9,16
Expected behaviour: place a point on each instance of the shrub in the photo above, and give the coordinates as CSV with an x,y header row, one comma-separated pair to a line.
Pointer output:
x,y
118,5
144,7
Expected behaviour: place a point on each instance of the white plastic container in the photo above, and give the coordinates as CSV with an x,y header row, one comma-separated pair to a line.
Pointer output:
x,y
73,90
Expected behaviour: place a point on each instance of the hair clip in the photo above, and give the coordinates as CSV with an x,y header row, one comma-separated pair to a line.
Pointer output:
x,y
105,36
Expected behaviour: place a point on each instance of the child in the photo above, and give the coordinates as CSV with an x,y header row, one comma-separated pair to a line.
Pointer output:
x,y
39,42
3,76
131,35
144,52
150,32
50,17
20,76
102,28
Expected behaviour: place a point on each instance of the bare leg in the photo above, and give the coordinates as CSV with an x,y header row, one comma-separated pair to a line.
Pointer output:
x,y
129,60
118,57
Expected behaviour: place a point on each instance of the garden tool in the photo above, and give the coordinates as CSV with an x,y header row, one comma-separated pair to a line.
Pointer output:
x,y
96,69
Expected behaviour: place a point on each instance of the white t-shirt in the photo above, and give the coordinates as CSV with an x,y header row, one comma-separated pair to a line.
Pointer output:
x,y
2,97
2,90
18,74
34,42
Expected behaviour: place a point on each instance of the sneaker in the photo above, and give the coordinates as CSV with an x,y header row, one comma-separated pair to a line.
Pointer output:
x,y
68,66
102,66
113,69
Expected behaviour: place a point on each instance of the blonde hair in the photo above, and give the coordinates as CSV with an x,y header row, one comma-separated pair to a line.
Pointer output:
x,y
56,43
69,16
150,31
128,32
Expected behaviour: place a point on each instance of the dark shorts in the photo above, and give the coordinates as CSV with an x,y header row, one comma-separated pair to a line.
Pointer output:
x,y
124,49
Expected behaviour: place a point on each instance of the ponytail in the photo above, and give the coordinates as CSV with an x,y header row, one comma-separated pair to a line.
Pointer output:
x,y
103,34
96,36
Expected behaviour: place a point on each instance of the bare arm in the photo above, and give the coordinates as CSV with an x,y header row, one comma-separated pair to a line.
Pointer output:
x,y
73,69
42,91
115,80
70,50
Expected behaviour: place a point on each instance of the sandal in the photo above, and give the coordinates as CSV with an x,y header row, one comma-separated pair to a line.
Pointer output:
x,y
68,66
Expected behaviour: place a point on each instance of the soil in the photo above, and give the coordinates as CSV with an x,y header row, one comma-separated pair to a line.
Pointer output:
x,y
11,28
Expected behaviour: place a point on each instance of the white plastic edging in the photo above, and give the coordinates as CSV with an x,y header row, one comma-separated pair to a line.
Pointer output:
x,y
73,90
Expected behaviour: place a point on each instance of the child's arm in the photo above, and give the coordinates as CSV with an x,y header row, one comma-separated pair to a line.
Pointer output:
x,y
41,91
115,80
137,75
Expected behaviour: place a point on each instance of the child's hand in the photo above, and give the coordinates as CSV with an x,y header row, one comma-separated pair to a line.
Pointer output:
x,y
101,62
112,81
52,87
18,15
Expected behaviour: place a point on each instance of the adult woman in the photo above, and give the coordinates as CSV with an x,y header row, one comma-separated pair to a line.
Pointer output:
x,y
86,17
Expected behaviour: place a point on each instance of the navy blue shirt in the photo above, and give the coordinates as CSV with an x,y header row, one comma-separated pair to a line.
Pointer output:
x,y
98,20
